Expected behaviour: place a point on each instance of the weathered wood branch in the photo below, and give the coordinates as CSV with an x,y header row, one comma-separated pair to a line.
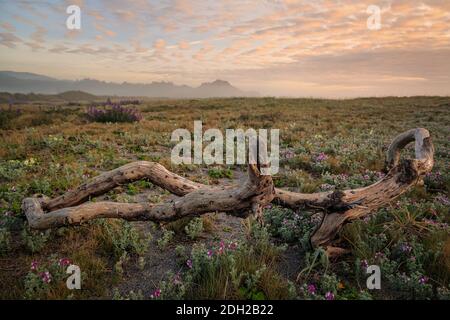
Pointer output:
x,y
340,207
257,190
130,172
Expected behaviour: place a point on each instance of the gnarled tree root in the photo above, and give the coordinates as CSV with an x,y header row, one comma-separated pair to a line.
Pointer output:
x,y
340,207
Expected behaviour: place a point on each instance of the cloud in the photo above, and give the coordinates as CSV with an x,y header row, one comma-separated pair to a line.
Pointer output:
x,y
38,34
22,20
183,45
8,27
58,49
202,52
159,45
34,46
31,8
90,49
382,72
138,48
9,39
183,7
96,14
294,42
125,15
104,30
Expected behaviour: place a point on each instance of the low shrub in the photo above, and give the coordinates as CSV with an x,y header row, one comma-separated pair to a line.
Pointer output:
x,y
116,113
120,238
291,226
165,239
230,270
194,228
6,116
35,240
218,173
46,277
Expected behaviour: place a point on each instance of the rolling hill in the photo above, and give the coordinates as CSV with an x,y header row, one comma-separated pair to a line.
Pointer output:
x,y
24,82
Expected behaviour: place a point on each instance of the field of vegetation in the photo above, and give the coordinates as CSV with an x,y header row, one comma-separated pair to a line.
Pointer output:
x,y
50,147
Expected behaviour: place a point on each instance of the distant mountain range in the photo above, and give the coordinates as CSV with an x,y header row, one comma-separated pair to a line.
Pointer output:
x,y
67,96
24,82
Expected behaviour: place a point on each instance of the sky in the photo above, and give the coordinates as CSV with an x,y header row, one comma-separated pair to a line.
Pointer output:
x,y
275,47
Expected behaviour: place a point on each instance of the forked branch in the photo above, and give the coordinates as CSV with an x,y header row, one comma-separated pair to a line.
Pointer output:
x,y
340,207
255,191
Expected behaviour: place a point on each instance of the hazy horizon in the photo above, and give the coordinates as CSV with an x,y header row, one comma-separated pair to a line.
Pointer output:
x,y
277,48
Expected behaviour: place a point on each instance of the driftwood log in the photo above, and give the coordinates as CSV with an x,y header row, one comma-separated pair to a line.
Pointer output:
x,y
339,207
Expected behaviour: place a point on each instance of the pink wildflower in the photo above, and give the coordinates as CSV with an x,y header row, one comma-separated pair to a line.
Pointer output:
x,y
329,295
423,279
63,262
321,157
34,265
46,277
156,294
312,289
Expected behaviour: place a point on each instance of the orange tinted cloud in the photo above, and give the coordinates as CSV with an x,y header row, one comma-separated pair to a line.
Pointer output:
x,y
197,40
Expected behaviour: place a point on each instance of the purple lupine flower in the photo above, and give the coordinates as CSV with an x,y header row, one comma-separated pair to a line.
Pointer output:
x,y
321,157
405,248
364,264
312,289
423,279
46,277
34,265
156,294
210,253
326,187
380,175
380,255
431,222
288,154
189,263
443,199
63,262
329,295
116,113
221,247
177,279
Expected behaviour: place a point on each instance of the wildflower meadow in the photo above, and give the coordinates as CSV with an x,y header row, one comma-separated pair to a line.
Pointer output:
x,y
50,148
